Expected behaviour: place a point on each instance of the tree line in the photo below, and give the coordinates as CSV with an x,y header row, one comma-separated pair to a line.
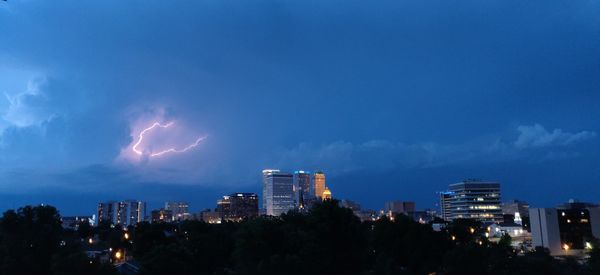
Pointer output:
x,y
329,239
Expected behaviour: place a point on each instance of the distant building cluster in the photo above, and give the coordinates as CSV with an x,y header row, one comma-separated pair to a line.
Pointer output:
x,y
284,191
565,230
122,213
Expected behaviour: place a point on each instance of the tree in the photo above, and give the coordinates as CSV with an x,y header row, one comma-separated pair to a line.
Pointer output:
x,y
32,241
403,245
505,241
84,229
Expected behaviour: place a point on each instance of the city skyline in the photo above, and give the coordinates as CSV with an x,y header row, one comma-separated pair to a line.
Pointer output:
x,y
392,100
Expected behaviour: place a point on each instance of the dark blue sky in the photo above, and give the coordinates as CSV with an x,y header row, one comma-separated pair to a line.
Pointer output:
x,y
392,99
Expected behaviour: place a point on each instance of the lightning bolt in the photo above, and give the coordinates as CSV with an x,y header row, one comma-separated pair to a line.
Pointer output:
x,y
170,150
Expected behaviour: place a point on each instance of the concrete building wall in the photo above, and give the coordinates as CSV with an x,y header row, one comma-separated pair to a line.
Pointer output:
x,y
595,221
544,229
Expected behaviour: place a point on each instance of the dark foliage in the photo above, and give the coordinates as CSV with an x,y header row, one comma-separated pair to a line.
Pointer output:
x,y
32,241
327,240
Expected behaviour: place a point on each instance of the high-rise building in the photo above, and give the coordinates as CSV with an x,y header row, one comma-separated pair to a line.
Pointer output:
x,y
472,199
569,227
397,207
238,206
180,210
302,184
319,184
122,213
278,192
106,211
445,209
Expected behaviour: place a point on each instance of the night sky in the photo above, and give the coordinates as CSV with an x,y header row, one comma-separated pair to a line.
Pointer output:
x,y
391,99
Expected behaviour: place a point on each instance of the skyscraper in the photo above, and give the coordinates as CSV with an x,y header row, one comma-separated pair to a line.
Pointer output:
x,y
319,184
445,209
106,211
278,192
179,209
122,213
472,199
302,182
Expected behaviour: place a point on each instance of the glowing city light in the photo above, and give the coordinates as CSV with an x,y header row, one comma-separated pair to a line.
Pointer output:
x,y
170,150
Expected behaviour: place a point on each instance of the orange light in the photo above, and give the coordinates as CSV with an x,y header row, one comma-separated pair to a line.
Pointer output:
x,y
126,236
118,255
90,241
566,247
453,237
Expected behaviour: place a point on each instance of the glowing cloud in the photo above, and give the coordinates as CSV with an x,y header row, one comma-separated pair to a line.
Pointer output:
x,y
137,151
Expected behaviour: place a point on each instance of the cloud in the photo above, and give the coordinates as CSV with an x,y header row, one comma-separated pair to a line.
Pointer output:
x,y
537,136
30,107
385,155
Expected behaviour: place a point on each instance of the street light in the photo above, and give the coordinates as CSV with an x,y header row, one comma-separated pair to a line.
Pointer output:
x,y
90,241
126,236
118,255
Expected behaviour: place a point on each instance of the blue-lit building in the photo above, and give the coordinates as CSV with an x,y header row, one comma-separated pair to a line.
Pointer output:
x,y
278,192
472,199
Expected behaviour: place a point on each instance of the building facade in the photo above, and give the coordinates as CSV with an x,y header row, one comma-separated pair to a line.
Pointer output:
x,y
569,227
179,210
302,188
122,213
278,192
445,208
318,184
472,199
238,206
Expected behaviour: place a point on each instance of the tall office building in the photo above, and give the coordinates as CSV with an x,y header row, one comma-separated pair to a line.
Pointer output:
x,y
278,192
179,209
318,184
238,206
106,211
569,227
302,183
445,209
122,213
472,199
